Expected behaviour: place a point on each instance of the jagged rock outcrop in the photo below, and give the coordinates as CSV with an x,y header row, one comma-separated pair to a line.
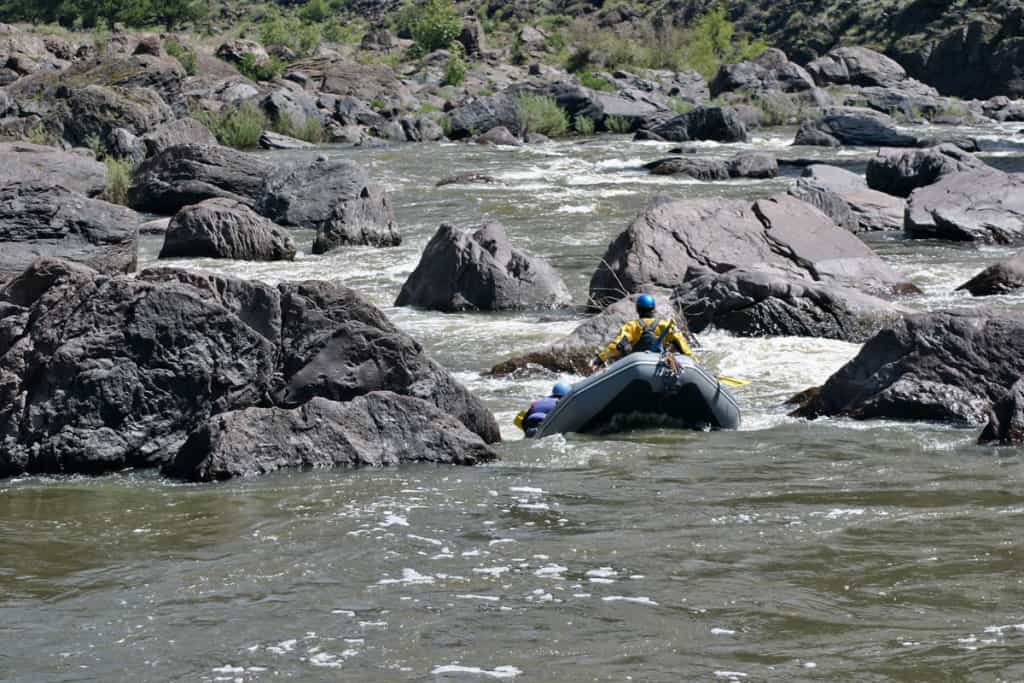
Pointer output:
x,y
1001,277
971,206
224,228
480,270
25,162
846,198
900,171
770,72
855,65
852,126
703,123
942,367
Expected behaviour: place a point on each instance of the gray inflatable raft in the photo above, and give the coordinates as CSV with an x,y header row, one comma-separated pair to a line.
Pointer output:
x,y
641,390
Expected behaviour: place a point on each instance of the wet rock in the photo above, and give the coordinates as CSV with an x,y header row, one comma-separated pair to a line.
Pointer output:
x,y
483,114
970,206
378,429
337,345
696,168
846,198
770,72
755,303
481,271
782,234
271,140
753,165
856,66
38,219
188,174
422,129
468,178
1006,418
499,135
899,172
852,126
1001,277
224,228
334,197
941,367
1004,109
703,123
186,131
22,161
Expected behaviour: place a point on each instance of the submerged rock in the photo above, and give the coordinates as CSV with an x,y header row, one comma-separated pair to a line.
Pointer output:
x,y
223,228
1001,277
481,270
378,429
754,303
943,367
846,198
971,206
899,171
1006,418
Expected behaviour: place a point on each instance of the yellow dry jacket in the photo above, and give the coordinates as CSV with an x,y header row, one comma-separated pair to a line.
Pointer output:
x,y
631,332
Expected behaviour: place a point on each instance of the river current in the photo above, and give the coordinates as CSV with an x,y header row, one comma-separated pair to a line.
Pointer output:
x,y
789,550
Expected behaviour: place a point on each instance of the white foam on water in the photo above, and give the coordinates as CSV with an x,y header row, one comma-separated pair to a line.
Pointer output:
x,y
551,570
635,600
492,571
326,660
501,672
431,541
283,647
394,520
730,674
716,631
486,598
526,489
1004,629
409,577
602,572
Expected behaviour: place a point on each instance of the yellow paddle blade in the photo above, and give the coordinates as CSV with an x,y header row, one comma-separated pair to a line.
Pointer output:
x,y
733,381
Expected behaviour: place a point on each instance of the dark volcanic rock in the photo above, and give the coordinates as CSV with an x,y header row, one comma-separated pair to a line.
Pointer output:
x,y
380,428
753,303
846,198
99,110
1006,418
856,66
1001,277
483,114
703,123
271,140
753,165
468,178
188,174
978,206
339,346
499,135
38,219
749,165
24,162
771,72
782,234
901,171
334,197
187,131
224,228
481,270
944,367
852,126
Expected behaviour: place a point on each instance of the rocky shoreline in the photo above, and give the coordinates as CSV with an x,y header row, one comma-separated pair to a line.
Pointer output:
x,y
103,368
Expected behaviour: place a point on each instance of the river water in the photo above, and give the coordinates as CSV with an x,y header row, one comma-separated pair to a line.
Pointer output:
x,y
789,550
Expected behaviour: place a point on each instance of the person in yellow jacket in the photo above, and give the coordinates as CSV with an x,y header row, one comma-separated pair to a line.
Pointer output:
x,y
647,333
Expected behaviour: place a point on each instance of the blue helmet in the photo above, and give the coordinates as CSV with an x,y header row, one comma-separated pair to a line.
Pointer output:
x,y
645,304
560,390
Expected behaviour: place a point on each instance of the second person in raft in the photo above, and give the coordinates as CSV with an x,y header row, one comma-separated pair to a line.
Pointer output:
x,y
647,333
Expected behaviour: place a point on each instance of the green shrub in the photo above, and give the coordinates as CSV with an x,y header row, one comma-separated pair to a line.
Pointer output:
x,y
588,79
584,125
185,57
260,71
96,145
239,127
455,71
541,114
433,24
119,179
348,32
41,135
289,32
679,105
618,124
315,11
311,129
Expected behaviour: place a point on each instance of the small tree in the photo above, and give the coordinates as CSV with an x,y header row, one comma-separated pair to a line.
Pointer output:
x,y
434,25
173,13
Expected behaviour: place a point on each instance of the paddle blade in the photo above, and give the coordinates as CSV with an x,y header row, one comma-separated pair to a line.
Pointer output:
x,y
733,381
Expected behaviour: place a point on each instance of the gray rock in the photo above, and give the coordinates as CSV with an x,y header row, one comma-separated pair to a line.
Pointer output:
x,y
234,51
846,198
350,111
852,126
770,72
481,270
971,206
98,110
703,123
599,106
1006,418
754,165
224,228
468,178
472,37
44,220
291,109
696,168
941,367
1001,277
271,140
21,161
483,114
366,82
334,197
899,172
755,303
378,429
123,144
499,135
856,66
186,131
781,234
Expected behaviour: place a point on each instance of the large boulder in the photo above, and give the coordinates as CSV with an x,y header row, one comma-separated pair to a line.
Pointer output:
x,y
1006,418
188,174
846,198
483,114
366,82
755,303
782,234
856,66
97,110
334,197
901,171
599,106
852,126
337,345
943,367
971,206
481,271
224,228
703,123
1001,277
186,131
378,429
21,161
770,72
38,219
747,165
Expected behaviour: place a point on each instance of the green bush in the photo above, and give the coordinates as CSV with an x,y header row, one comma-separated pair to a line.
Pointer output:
x,y
679,105
185,57
434,24
239,127
347,32
290,32
311,129
41,135
119,179
315,11
584,125
96,145
541,114
455,71
260,71
618,124
588,79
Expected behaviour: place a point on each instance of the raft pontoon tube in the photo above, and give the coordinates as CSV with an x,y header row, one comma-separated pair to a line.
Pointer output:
x,y
644,390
